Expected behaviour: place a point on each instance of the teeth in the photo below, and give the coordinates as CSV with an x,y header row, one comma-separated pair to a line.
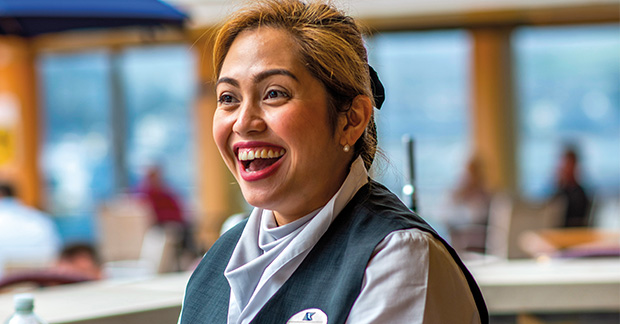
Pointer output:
x,y
259,153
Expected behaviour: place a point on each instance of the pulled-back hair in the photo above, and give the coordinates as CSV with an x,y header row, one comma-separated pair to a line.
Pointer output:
x,y
330,45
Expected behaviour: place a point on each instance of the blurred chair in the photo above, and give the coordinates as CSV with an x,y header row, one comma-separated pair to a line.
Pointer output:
x,y
159,247
509,217
157,255
123,223
605,210
129,243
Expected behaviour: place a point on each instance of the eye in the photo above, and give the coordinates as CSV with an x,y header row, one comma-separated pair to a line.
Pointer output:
x,y
276,94
226,99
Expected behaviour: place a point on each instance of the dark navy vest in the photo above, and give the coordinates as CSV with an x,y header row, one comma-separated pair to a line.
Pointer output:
x,y
331,275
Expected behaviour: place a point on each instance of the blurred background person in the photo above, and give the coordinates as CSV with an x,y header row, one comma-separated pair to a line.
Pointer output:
x,y
79,260
569,188
472,193
469,211
28,237
167,213
164,202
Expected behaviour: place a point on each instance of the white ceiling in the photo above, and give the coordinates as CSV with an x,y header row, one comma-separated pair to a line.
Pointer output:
x,y
209,12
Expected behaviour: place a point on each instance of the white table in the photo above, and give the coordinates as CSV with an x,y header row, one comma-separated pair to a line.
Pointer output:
x,y
549,286
147,300
509,287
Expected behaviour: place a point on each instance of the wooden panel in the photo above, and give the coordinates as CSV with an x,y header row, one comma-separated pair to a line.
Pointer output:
x,y
84,40
416,15
485,17
18,83
492,106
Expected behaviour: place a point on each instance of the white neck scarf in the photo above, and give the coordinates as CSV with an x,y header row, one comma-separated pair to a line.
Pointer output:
x,y
267,255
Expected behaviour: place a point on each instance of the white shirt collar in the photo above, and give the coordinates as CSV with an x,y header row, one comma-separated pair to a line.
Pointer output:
x,y
265,250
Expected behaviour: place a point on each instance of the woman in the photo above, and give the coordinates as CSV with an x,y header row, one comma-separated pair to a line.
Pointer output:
x,y
294,124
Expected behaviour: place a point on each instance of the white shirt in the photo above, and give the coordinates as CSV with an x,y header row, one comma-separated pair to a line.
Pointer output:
x,y
26,235
410,278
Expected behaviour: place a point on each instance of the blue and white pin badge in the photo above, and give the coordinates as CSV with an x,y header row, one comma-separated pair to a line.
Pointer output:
x,y
309,316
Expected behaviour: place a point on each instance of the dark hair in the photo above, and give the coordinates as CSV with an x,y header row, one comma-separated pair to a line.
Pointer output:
x,y
7,190
330,44
570,152
71,251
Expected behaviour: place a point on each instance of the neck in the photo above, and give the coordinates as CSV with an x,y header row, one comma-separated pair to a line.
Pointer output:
x,y
283,217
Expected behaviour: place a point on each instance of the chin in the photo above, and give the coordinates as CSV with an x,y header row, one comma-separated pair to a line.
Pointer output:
x,y
256,198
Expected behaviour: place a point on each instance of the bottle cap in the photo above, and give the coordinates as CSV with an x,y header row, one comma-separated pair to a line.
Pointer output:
x,y
23,302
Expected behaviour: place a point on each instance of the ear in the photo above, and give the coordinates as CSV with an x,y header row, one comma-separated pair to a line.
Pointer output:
x,y
354,121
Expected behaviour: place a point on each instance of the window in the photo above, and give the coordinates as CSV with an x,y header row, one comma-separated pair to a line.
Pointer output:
x,y
425,75
160,87
569,90
81,149
76,149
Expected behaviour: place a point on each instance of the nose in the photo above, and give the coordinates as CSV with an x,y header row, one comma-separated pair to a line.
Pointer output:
x,y
249,120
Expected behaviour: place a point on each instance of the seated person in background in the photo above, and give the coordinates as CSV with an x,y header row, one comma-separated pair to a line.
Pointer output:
x,y
167,210
28,237
77,263
164,203
569,189
472,193
469,214
80,260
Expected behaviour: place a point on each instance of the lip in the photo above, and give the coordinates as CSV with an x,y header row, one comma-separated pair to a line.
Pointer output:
x,y
256,175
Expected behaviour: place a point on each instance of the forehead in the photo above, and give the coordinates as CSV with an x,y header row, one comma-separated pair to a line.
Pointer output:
x,y
262,46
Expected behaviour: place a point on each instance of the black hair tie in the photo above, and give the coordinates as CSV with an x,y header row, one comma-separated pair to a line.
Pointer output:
x,y
378,92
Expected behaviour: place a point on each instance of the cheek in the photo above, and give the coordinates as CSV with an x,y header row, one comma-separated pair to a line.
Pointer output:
x,y
222,129
311,136
293,129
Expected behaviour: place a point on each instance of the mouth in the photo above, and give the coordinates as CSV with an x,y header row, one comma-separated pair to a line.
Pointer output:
x,y
255,159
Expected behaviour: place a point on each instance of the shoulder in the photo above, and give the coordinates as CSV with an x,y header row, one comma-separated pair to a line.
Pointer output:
x,y
412,243
376,197
415,249
408,237
376,206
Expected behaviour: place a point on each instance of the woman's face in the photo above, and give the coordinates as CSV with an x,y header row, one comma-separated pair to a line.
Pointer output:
x,y
271,126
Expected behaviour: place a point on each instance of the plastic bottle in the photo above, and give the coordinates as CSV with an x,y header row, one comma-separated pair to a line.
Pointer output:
x,y
24,306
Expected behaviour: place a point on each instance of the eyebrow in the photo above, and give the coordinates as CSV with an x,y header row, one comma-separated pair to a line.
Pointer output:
x,y
265,74
230,81
259,77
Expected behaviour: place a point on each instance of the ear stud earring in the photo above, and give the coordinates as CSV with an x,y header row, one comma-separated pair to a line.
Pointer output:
x,y
346,148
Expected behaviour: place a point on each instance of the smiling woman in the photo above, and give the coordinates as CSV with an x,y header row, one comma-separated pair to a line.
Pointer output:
x,y
268,101
294,124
